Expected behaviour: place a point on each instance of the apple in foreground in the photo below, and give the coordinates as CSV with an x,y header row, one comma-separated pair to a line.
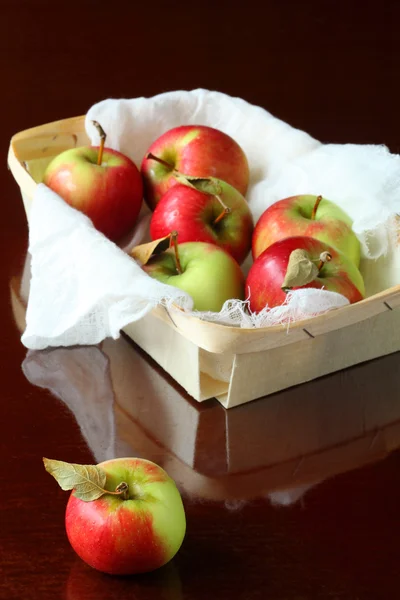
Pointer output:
x,y
109,193
194,150
224,219
267,274
206,272
306,215
133,534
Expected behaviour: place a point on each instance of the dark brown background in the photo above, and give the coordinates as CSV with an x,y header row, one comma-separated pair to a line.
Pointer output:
x,y
329,67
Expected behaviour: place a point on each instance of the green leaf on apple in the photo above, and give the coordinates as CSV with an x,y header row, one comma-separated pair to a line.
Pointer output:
x,y
87,481
207,185
144,252
300,270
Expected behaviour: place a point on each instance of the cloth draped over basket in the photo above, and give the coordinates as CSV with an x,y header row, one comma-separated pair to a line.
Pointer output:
x,y
85,288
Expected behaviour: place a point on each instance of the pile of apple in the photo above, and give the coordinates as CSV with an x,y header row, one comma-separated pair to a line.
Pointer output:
x,y
194,179
303,241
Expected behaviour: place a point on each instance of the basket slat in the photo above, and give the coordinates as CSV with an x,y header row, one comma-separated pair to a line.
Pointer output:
x,y
259,374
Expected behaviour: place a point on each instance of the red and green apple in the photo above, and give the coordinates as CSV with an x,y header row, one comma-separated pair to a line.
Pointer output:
x,y
194,150
223,219
135,524
265,280
310,216
100,182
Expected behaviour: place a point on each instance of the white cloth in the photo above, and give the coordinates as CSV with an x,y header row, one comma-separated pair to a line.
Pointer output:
x,y
84,288
364,180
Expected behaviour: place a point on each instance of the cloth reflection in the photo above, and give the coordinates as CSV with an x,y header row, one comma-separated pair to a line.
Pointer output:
x,y
81,377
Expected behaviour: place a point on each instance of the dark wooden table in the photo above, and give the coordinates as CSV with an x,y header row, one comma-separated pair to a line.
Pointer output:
x,y
292,497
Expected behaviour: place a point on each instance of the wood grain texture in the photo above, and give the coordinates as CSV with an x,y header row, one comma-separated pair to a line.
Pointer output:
x,y
327,67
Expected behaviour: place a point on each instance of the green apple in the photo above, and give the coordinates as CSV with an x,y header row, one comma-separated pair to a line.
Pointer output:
x,y
206,272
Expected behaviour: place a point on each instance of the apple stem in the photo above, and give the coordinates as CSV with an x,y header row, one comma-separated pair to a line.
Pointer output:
x,y
314,210
226,210
103,136
174,243
324,258
151,156
122,490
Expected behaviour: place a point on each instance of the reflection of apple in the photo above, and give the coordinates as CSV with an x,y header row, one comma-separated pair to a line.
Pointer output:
x,y
110,194
201,217
310,216
206,272
133,535
266,275
86,584
194,150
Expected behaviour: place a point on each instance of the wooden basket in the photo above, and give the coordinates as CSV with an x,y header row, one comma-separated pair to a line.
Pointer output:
x,y
211,360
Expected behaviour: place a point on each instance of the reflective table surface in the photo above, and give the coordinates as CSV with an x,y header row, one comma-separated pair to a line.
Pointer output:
x,y
291,497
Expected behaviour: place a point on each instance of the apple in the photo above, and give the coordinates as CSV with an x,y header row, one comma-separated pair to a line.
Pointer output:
x,y
135,533
194,150
223,219
206,272
267,274
306,215
100,182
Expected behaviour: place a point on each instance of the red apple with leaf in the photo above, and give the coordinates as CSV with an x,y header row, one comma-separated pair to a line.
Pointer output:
x,y
306,215
100,182
301,262
205,210
123,516
194,150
